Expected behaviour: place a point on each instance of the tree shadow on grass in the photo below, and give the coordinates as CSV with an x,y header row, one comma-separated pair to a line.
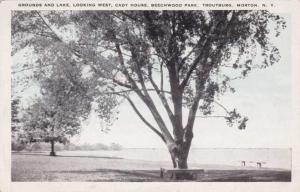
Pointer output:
x,y
247,176
119,175
210,176
77,156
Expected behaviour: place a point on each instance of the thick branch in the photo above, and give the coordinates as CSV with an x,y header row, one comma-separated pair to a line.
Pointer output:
x,y
146,99
205,48
194,64
129,90
126,73
190,53
200,86
161,77
144,120
161,96
200,82
177,97
192,113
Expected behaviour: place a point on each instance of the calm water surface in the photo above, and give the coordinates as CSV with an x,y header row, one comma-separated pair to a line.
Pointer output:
x,y
272,158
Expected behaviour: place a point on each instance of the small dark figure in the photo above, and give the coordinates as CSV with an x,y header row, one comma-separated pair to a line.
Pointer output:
x,y
258,164
244,163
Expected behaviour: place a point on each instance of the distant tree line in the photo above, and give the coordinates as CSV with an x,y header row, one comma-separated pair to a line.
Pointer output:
x,y
42,146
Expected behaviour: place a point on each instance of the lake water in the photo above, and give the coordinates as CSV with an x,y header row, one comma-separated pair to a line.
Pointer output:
x,y
272,158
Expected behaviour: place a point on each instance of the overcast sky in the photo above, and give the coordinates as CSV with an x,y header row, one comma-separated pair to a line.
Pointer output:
x,y
264,97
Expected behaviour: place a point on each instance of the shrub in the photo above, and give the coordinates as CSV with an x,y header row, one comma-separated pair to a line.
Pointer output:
x,y
17,146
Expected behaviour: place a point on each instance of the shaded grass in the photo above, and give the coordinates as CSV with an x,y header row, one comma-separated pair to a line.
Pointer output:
x,y
247,176
41,167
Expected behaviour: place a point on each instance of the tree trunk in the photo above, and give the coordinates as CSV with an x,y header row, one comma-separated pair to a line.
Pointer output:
x,y
52,153
179,156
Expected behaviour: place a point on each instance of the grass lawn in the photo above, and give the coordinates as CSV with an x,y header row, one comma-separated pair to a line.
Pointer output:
x,y
62,168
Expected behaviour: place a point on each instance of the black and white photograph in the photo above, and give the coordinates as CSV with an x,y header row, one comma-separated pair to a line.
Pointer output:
x,y
151,96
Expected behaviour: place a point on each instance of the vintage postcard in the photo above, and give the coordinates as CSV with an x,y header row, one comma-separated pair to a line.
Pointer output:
x,y
150,96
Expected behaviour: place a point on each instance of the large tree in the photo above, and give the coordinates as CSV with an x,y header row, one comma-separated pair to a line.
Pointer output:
x,y
185,59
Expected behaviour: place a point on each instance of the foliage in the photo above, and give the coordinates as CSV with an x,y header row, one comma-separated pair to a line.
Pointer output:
x,y
57,115
187,59
17,146
15,116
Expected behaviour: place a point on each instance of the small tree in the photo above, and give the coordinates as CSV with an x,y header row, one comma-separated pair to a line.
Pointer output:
x,y
57,115
17,143
41,125
15,116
